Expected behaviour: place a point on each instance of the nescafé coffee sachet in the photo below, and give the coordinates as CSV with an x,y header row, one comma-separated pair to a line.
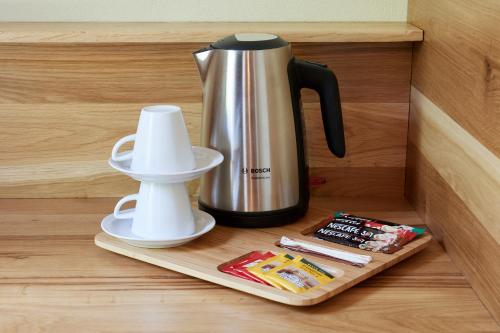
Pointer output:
x,y
359,237
352,240
380,224
366,233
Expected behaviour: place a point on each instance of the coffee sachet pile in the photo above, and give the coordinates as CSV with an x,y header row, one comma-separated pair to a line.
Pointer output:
x,y
282,271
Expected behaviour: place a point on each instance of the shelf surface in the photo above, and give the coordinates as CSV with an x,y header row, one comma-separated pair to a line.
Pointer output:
x,y
181,32
53,278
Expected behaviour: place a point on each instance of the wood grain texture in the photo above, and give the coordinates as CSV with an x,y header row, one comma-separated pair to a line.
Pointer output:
x,y
458,65
453,165
471,170
156,73
175,32
466,240
96,179
376,135
376,132
46,284
138,306
385,182
454,183
76,100
376,147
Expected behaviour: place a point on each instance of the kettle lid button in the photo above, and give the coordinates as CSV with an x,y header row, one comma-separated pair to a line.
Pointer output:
x,y
253,37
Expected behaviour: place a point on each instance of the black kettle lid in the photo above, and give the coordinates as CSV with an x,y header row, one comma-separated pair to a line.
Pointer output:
x,y
250,41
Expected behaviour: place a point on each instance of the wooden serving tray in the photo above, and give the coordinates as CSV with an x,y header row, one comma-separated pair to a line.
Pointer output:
x,y
201,257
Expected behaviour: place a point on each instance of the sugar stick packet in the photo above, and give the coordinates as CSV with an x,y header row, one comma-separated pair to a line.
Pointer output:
x,y
343,256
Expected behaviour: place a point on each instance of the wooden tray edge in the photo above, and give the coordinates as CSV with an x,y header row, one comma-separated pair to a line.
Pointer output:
x,y
102,240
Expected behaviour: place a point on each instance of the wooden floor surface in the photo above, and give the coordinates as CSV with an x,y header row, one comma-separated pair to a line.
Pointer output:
x,y
54,279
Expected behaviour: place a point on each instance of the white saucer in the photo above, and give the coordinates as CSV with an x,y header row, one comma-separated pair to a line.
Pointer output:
x,y
205,158
122,229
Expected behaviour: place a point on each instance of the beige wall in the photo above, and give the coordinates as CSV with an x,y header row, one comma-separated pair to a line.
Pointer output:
x,y
198,10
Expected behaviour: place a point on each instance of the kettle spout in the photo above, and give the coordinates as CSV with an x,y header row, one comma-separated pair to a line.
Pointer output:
x,y
202,58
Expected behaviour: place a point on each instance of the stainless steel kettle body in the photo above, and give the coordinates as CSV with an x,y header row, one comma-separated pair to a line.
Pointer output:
x,y
252,115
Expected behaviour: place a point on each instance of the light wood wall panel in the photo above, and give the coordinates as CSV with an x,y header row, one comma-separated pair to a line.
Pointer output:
x,y
471,170
152,73
87,132
453,173
454,183
468,242
458,65
67,147
64,105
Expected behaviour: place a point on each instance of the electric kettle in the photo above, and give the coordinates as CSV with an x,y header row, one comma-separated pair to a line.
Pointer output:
x,y
252,114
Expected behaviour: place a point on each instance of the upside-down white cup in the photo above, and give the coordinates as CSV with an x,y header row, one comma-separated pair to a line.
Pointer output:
x,y
161,144
162,211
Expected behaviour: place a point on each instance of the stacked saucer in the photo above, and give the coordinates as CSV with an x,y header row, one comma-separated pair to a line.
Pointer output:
x,y
162,160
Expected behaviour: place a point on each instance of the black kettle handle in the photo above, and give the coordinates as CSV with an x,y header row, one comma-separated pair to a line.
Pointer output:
x,y
320,78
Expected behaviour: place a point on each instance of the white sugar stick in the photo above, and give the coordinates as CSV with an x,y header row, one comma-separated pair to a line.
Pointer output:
x,y
338,254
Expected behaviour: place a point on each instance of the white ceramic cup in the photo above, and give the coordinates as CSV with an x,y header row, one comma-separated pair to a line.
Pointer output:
x,y
161,144
162,211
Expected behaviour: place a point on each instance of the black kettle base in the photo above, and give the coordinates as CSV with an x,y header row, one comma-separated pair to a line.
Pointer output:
x,y
266,219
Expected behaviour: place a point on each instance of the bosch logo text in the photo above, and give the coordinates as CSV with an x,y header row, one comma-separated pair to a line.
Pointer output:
x,y
256,170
